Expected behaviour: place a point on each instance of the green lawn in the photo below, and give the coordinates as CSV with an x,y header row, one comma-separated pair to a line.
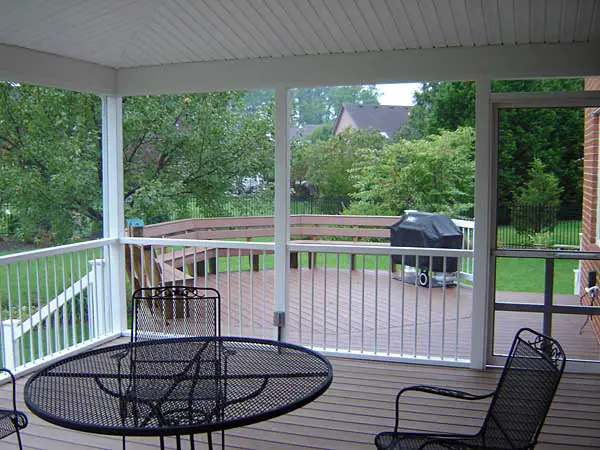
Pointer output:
x,y
527,275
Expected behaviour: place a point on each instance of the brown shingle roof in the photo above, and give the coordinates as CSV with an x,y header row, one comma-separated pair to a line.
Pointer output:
x,y
387,119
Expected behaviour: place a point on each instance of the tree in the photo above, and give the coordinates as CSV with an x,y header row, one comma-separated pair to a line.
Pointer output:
x,y
442,106
554,135
322,133
50,158
197,146
318,105
536,203
321,105
176,147
435,174
326,164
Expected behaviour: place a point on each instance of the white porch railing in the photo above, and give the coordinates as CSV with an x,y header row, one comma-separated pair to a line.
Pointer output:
x,y
374,308
53,301
368,307
468,231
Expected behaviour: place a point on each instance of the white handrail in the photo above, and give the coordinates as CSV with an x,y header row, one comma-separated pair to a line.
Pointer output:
x,y
54,251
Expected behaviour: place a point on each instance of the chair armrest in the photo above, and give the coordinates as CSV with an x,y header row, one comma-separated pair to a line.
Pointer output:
x,y
14,387
445,392
437,391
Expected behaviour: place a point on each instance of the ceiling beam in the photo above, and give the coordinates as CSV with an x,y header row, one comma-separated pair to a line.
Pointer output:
x,y
22,65
493,62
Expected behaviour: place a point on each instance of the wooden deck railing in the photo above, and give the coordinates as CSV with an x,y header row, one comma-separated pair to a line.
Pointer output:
x,y
304,228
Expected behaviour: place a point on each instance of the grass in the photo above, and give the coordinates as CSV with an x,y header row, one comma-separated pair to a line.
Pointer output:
x,y
527,275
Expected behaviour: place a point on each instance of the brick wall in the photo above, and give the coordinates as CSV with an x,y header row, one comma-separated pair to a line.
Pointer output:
x,y
590,198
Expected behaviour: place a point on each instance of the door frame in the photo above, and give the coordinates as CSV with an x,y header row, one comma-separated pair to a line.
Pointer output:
x,y
513,100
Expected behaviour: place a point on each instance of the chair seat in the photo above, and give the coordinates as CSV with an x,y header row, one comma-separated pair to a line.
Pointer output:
x,y
7,422
410,441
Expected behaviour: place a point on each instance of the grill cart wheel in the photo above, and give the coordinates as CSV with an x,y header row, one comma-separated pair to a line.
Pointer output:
x,y
423,278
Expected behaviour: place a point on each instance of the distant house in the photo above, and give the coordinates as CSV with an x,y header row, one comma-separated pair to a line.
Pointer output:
x,y
387,119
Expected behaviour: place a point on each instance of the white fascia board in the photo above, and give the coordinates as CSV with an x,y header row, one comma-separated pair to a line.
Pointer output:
x,y
22,65
492,62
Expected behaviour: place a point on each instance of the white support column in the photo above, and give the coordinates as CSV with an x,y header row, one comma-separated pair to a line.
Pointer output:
x,y
282,209
113,210
484,195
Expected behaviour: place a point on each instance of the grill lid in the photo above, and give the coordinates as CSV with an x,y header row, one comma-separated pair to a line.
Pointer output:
x,y
421,229
428,230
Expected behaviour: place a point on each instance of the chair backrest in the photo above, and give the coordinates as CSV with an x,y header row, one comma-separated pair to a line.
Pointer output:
x,y
525,391
171,311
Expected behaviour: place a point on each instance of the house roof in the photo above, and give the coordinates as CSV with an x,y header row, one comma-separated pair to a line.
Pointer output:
x,y
387,119
132,47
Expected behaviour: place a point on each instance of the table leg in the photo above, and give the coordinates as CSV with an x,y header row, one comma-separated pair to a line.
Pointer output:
x,y
178,440
210,445
222,439
162,443
192,445
123,442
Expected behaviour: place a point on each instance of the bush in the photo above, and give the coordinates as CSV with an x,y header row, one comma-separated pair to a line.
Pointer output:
x,y
537,203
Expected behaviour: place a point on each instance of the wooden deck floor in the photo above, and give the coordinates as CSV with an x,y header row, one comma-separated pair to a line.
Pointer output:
x,y
357,406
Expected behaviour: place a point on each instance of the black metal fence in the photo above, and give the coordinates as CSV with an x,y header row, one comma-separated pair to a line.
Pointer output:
x,y
311,205
252,205
6,220
538,226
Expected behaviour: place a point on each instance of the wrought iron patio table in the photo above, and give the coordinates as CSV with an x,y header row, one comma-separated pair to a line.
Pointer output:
x,y
177,386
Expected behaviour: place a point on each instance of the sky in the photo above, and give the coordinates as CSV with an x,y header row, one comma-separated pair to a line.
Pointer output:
x,y
397,94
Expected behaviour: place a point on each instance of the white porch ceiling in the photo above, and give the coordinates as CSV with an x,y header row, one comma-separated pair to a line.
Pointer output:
x,y
134,34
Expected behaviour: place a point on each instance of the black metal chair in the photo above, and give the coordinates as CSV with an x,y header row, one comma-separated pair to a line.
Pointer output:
x,y
175,311
12,420
171,312
518,406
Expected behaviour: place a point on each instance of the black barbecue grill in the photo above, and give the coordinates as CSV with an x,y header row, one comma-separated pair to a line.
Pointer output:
x,y
427,230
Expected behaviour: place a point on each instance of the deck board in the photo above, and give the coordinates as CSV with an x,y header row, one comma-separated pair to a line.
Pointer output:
x,y
360,403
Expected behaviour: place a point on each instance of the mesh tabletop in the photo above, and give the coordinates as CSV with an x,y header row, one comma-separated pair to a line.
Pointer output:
x,y
177,386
